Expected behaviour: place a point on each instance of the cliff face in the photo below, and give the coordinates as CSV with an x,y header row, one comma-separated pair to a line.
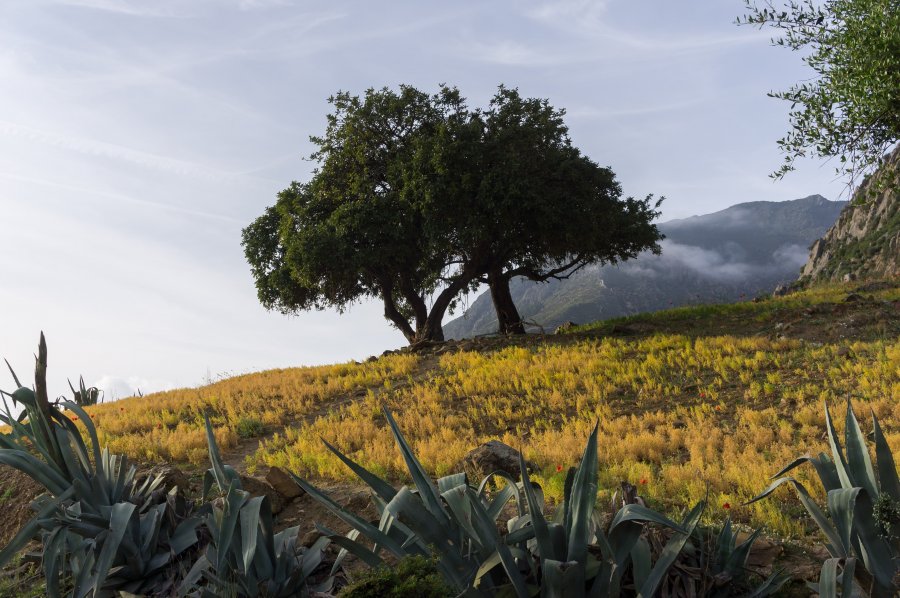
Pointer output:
x,y
864,243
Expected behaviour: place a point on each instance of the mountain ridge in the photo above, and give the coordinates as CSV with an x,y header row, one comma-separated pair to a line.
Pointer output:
x,y
741,251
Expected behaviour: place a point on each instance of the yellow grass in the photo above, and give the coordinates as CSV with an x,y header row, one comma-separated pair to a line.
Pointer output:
x,y
689,411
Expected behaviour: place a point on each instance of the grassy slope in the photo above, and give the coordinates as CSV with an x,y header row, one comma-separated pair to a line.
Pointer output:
x,y
711,399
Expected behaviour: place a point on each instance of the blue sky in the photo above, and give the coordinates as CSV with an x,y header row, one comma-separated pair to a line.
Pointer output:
x,y
138,137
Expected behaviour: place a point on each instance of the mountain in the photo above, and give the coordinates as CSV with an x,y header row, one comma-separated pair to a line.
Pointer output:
x,y
743,250
865,240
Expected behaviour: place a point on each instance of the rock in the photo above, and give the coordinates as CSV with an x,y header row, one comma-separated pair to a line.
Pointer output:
x,y
257,487
565,327
849,277
310,538
371,359
853,298
781,290
172,477
842,352
283,483
490,457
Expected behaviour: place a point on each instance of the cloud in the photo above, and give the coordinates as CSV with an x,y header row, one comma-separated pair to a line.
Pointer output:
x,y
93,147
117,387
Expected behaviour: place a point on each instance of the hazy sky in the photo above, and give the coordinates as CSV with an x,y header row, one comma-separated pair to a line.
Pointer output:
x,y
137,138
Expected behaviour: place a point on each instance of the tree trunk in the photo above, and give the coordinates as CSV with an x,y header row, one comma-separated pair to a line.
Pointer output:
x,y
507,315
393,314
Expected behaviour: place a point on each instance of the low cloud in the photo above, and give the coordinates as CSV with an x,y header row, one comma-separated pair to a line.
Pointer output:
x,y
115,387
728,263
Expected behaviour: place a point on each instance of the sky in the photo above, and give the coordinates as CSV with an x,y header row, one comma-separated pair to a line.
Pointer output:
x,y
138,137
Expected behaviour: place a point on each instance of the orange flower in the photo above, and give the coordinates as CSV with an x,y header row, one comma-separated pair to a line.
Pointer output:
x,y
718,408
74,418
558,468
643,481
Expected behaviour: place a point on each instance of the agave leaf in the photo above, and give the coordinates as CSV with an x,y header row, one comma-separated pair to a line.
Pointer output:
x,y
511,484
452,481
640,562
828,579
425,486
725,543
875,551
350,545
249,519
40,472
737,560
827,472
561,579
583,499
847,578
89,426
837,454
635,512
11,371
671,551
366,528
458,501
887,470
224,475
842,507
833,543
858,461
381,487
482,519
538,522
118,524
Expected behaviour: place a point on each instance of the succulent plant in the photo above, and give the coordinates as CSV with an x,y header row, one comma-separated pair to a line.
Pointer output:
x,y
99,526
245,557
853,534
448,520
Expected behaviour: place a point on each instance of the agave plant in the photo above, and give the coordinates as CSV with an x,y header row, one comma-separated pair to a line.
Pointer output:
x,y
853,534
574,556
97,524
245,557
449,521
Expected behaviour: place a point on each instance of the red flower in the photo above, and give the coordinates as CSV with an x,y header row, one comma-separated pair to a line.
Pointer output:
x,y
74,418
726,506
702,395
718,408
558,468
643,481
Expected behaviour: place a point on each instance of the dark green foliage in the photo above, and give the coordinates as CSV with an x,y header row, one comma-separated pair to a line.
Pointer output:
x,y
249,427
86,396
417,197
850,108
411,576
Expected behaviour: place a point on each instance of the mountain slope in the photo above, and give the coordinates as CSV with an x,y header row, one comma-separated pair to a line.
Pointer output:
x,y
744,250
865,241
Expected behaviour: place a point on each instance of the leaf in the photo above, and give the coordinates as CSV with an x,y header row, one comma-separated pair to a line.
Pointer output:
x,y
859,462
671,551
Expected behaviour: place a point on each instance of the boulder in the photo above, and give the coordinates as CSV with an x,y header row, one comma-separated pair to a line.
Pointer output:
x,y
283,483
257,487
781,290
490,457
172,477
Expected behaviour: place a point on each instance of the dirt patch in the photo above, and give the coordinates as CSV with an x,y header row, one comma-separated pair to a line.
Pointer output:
x,y
17,490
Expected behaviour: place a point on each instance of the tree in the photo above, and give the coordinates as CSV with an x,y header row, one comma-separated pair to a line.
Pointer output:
x,y
534,205
851,109
417,198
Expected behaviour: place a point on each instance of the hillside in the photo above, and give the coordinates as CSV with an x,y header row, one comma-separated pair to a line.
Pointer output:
x,y
690,400
865,241
743,250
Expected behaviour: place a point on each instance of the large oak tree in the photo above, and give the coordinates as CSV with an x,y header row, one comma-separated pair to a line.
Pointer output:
x,y
417,198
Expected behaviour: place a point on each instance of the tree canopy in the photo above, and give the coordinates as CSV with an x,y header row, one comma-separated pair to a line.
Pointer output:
x,y
418,197
850,110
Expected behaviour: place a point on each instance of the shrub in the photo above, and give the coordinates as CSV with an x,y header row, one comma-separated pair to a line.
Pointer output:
x,y
411,576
